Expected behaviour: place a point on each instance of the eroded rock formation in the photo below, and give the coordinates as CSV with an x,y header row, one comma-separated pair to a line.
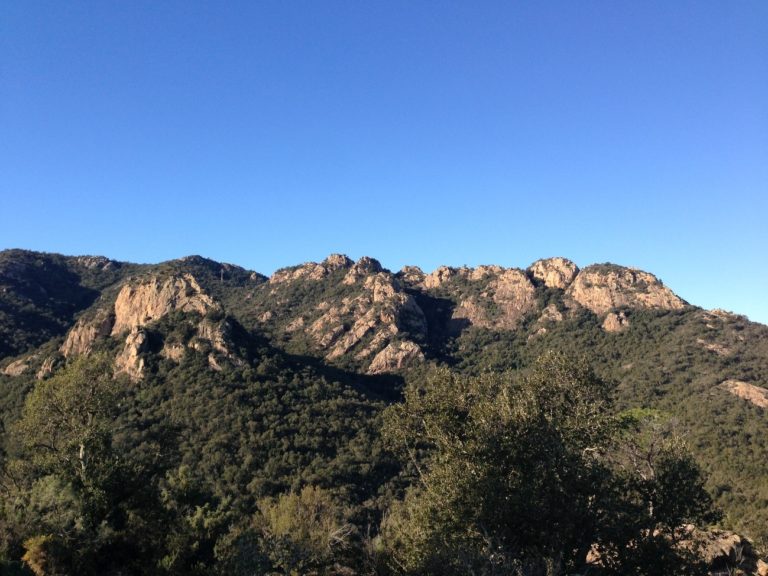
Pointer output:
x,y
602,288
554,272
312,270
757,395
141,303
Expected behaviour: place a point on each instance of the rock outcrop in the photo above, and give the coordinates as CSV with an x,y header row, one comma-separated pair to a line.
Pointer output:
x,y
439,277
616,322
47,368
554,272
487,296
749,392
363,325
85,332
141,303
602,288
549,316
514,294
411,275
726,552
311,270
130,360
22,365
396,356
352,310
17,367
362,269
715,347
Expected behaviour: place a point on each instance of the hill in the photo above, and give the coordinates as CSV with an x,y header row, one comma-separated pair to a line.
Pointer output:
x,y
253,386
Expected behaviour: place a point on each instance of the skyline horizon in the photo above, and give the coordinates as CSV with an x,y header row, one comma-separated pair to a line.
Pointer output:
x,y
399,268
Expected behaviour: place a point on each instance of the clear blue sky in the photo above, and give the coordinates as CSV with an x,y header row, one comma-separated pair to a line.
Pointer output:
x,y
270,133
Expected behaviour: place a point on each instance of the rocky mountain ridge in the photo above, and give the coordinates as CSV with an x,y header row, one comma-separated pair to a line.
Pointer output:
x,y
382,320
357,313
709,369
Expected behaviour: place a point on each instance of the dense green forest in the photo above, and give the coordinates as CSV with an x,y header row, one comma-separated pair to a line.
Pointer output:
x,y
279,472
242,446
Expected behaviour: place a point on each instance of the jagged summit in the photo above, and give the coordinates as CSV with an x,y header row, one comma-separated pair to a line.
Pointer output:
x,y
353,312
557,272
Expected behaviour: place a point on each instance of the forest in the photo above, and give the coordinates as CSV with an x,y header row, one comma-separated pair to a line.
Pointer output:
x,y
278,473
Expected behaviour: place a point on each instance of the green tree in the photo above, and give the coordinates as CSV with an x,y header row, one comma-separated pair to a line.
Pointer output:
x,y
658,492
513,475
66,428
303,531
81,508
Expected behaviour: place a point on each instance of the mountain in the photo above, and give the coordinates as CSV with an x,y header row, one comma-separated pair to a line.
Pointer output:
x,y
235,359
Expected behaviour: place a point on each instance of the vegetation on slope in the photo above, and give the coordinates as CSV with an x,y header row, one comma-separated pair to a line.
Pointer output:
x,y
270,460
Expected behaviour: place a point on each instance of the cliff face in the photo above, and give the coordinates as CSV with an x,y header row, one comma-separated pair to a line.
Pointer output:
x,y
602,288
81,337
151,299
139,303
355,312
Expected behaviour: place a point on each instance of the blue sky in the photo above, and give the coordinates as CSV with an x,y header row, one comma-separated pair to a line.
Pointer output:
x,y
271,133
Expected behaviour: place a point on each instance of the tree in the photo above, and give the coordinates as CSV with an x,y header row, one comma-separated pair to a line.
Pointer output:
x,y
84,510
513,474
66,425
303,531
658,493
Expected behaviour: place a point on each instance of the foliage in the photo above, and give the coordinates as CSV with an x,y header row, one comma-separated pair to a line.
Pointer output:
x,y
521,464
303,531
74,503
513,477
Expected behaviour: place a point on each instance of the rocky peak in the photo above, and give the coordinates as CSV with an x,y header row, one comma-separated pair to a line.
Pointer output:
x,y
311,270
482,271
604,287
439,277
140,303
363,268
554,272
411,275
368,265
337,261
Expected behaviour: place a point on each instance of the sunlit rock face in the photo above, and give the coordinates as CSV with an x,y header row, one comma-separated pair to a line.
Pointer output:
x,y
602,288
141,303
554,272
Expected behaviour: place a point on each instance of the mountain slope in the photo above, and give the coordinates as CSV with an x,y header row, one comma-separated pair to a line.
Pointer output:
x,y
346,333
